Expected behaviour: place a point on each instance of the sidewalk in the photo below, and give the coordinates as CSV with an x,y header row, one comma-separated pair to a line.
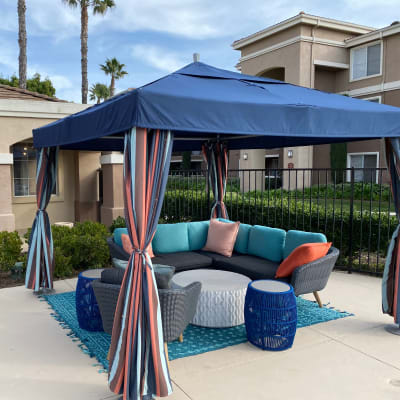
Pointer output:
x,y
350,358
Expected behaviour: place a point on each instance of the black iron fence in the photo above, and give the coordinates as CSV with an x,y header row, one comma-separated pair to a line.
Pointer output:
x,y
353,207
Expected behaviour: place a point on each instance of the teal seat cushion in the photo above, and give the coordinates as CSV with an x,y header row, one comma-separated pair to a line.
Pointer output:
x,y
266,242
117,235
171,238
297,238
198,232
242,239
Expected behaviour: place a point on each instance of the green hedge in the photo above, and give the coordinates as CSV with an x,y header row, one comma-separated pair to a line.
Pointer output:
x,y
10,250
364,191
81,247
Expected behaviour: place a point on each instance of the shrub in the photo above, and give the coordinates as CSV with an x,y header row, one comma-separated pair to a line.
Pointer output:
x,y
10,249
81,247
62,264
86,245
119,222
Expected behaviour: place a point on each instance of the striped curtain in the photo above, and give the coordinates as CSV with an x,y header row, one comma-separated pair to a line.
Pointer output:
x,y
40,261
216,156
138,366
391,274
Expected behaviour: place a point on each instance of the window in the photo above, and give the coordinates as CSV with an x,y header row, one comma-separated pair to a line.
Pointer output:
x,y
365,165
24,170
272,165
375,99
366,61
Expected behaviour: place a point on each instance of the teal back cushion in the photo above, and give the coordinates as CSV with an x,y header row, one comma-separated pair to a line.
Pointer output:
x,y
266,242
117,235
242,239
297,238
171,238
198,232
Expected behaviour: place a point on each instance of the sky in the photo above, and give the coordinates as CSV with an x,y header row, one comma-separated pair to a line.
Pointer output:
x,y
155,37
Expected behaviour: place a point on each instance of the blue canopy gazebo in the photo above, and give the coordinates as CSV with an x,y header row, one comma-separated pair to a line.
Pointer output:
x,y
199,105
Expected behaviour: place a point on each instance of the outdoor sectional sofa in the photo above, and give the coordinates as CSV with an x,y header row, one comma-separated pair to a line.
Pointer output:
x,y
258,252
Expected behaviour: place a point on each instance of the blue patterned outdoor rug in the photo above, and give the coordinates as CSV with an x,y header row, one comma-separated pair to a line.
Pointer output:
x,y
197,340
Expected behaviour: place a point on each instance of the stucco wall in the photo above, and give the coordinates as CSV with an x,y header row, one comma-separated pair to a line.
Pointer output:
x,y
17,129
61,206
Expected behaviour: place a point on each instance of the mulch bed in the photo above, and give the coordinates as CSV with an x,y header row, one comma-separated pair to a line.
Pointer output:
x,y
6,280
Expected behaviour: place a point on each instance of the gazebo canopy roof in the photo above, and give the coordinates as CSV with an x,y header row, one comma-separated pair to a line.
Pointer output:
x,y
199,102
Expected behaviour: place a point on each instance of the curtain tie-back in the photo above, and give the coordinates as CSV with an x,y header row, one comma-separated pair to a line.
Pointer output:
x,y
145,256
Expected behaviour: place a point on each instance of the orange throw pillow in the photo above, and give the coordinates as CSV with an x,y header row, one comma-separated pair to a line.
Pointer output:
x,y
127,245
301,255
221,237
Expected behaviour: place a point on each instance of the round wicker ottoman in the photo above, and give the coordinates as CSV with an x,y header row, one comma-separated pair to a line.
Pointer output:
x,y
221,301
271,314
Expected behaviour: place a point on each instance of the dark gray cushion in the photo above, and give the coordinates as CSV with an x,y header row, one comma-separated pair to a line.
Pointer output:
x,y
215,256
183,260
251,266
116,251
117,263
113,276
163,274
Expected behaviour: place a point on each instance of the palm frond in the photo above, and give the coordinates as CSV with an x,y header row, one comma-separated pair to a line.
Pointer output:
x,y
101,6
71,3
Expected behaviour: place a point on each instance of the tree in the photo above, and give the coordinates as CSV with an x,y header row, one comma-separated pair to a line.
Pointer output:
x,y
99,91
186,160
114,68
22,43
98,7
34,84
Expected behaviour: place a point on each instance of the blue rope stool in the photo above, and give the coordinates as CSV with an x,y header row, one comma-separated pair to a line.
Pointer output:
x,y
270,314
87,310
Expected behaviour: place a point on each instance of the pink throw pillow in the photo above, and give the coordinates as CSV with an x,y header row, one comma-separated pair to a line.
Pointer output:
x,y
221,237
127,245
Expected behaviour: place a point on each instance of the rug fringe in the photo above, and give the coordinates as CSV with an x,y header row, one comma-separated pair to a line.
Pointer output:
x,y
71,334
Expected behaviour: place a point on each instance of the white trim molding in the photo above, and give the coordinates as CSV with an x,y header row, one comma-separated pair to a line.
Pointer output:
x,y
6,159
38,109
296,39
331,64
113,158
302,18
383,87
361,153
374,35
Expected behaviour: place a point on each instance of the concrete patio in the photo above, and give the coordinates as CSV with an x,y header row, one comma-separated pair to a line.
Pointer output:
x,y
351,358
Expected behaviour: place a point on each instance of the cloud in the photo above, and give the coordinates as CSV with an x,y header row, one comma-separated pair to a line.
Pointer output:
x,y
8,56
191,19
158,57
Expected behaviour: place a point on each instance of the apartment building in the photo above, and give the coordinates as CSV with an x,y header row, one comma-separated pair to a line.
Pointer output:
x,y
76,194
332,56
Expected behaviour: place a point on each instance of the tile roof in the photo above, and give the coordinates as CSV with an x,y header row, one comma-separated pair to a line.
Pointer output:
x,y
10,92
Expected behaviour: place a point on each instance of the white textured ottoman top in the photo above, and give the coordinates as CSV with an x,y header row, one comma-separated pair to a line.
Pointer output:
x,y
212,280
221,301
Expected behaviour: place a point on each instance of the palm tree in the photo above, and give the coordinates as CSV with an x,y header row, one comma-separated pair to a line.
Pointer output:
x,y
99,91
115,69
99,7
22,43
